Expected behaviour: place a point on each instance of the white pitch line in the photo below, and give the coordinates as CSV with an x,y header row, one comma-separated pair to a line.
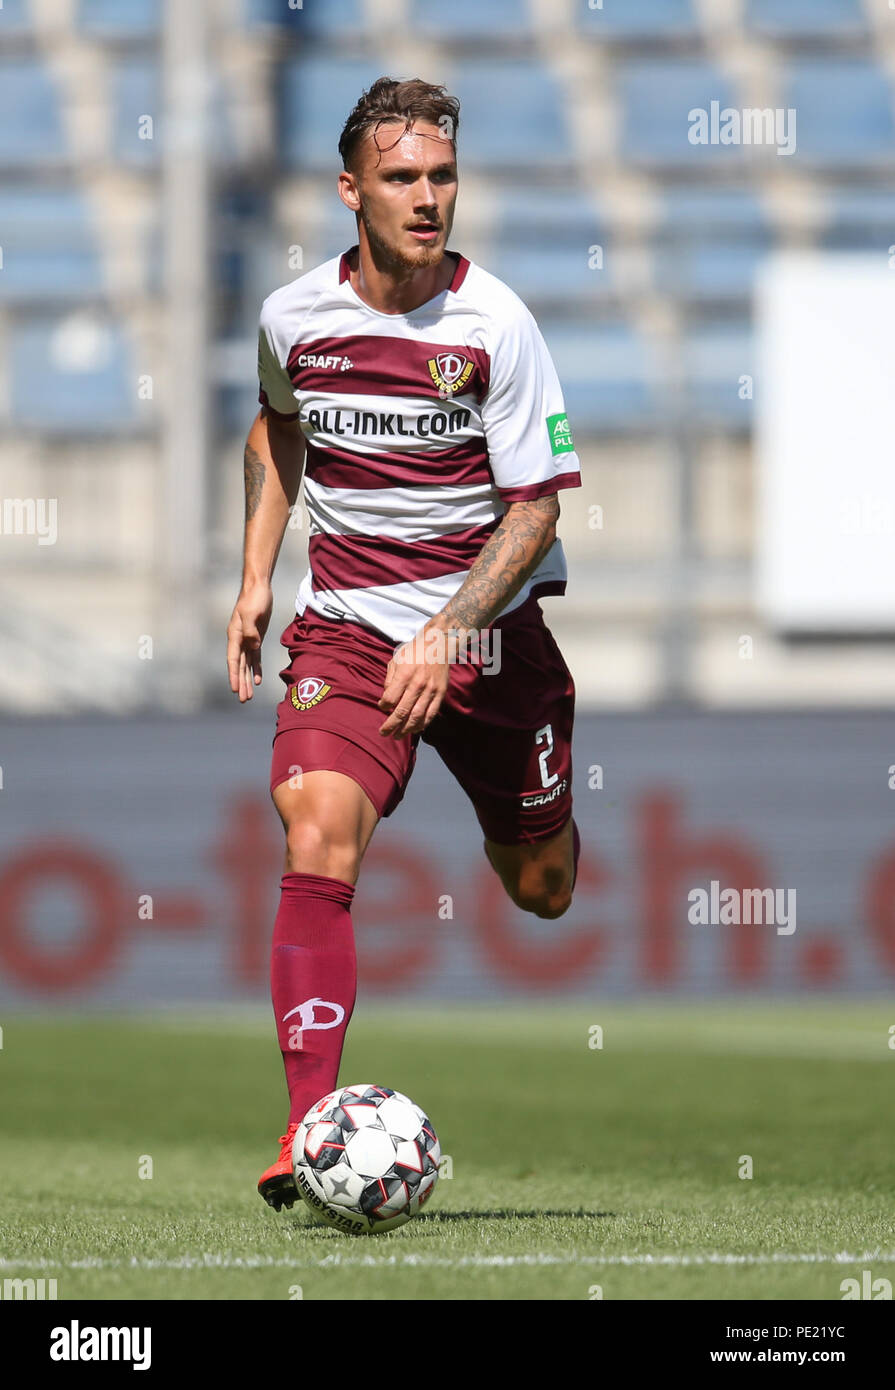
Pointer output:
x,y
412,1261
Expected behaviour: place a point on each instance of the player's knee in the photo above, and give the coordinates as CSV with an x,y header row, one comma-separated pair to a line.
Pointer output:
x,y
548,896
549,905
312,849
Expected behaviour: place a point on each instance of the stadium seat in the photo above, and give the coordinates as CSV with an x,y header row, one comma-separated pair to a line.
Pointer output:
x,y
136,85
714,359
512,115
30,118
607,375
656,99
638,19
333,237
798,19
699,270
503,19
15,18
136,93
335,18
844,111
544,274
315,99
49,250
120,18
710,242
71,375
859,220
694,210
548,215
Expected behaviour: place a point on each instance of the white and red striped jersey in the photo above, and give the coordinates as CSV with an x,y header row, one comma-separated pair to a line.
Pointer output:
x,y
420,429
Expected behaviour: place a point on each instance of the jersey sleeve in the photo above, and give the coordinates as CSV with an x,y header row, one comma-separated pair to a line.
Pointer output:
x,y
527,433
275,388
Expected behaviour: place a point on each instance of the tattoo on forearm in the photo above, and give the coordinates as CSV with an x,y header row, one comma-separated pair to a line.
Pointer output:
x,y
504,563
254,480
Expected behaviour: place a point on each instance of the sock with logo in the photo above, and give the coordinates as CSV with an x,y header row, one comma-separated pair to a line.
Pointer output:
x,y
313,981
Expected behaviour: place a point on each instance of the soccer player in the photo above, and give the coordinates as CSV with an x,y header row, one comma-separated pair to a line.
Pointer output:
x,y
420,396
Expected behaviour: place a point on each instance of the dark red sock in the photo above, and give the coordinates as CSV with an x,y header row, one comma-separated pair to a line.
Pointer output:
x,y
313,980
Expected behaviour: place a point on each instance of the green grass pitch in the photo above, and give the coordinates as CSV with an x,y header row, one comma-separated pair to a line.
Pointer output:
x,y
574,1168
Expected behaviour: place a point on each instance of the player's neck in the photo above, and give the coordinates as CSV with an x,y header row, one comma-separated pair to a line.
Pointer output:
x,y
392,290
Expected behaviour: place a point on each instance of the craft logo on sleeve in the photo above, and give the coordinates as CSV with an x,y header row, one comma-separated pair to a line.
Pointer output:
x,y
560,431
309,691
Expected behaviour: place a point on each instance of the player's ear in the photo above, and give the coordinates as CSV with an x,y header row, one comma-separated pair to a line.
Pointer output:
x,y
349,191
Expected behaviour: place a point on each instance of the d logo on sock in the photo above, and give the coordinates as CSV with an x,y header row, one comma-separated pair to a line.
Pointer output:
x,y
306,1019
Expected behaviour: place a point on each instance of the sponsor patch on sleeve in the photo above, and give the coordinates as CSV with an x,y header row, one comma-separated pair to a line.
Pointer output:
x,y
560,432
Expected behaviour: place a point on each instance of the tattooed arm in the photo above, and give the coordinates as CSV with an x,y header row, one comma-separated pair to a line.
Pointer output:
x,y
415,683
274,455
503,564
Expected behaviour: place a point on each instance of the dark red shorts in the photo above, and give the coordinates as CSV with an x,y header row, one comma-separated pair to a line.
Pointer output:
x,y
504,728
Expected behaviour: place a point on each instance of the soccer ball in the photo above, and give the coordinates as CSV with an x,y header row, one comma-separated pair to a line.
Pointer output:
x,y
365,1159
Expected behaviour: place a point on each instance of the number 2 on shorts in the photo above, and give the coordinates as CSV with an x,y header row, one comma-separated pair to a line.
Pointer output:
x,y
545,735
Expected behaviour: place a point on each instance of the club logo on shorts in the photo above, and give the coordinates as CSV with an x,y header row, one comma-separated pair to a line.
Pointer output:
x,y
309,691
450,372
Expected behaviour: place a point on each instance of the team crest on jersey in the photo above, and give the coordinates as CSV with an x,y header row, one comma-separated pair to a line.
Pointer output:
x,y
309,691
450,372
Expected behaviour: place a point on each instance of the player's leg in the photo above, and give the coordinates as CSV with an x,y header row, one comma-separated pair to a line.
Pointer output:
x,y
505,732
330,791
539,877
328,820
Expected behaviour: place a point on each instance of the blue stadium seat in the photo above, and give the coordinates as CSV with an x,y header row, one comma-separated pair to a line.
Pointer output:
x,y
235,407
860,220
638,19
512,115
844,112
656,99
136,85
120,18
462,19
30,119
545,274
335,235
70,376
316,98
699,270
714,360
607,375
549,214
796,19
330,18
49,250
710,242
689,211
15,18
136,93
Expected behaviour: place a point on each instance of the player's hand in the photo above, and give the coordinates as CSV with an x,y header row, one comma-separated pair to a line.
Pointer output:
x,y
245,633
415,684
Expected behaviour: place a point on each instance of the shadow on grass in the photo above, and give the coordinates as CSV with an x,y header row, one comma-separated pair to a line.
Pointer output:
x,y
511,1214
325,1232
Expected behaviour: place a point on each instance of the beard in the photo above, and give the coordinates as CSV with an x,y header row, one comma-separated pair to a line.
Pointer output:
x,y
395,258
